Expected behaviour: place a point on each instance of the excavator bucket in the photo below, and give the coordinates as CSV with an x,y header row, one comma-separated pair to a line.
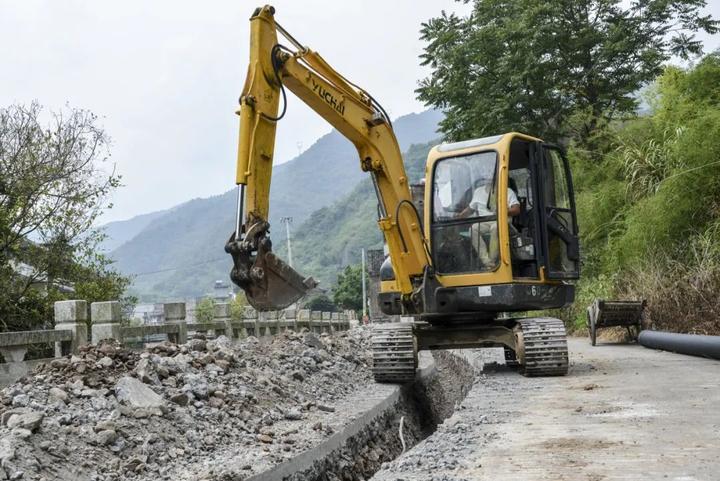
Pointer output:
x,y
278,286
269,283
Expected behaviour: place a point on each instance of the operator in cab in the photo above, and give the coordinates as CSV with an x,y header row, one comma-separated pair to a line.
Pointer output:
x,y
482,204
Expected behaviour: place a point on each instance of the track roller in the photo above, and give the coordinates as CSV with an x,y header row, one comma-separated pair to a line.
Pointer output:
x,y
541,344
394,352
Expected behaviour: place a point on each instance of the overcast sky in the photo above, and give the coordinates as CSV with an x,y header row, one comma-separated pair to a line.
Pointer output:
x,y
165,77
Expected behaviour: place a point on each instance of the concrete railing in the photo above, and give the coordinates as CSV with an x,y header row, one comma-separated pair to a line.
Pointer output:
x,y
253,323
71,329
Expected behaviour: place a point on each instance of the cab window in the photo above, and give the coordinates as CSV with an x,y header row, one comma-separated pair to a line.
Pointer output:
x,y
464,232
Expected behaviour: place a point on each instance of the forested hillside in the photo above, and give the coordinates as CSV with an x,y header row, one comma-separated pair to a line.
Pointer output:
x,y
649,209
119,232
180,253
333,236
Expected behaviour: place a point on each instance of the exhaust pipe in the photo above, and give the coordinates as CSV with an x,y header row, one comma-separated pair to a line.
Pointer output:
x,y
690,344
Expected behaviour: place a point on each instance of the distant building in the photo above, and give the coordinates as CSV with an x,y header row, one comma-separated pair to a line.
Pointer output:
x,y
39,281
149,313
222,291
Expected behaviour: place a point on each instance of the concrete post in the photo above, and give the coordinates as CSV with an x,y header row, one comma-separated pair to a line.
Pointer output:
x,y
326,316
316,321
105,317
302,320
71,316
260,325
273,319
335,322
289,316
222,313
250,322
175,314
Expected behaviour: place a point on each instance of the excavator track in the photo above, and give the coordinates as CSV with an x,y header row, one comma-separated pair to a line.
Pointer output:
x,y
394,352
542,347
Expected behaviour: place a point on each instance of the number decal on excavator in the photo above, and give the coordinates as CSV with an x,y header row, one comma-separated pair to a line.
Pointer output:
x,y
328,97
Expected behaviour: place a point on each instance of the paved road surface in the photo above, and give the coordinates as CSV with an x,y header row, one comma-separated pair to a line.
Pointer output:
x,y
623,413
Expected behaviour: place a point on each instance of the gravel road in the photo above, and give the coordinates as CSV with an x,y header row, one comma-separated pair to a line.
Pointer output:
x,y
623,413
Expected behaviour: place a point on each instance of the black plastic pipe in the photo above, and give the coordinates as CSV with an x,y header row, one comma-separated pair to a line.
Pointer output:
x,y
692,344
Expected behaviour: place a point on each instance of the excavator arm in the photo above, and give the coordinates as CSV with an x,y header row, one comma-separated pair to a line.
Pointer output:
x,y
268,282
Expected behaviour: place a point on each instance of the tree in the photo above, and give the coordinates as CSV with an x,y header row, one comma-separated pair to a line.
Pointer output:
x,y
52,189
320,303
205,311
348,291
237,307
555,69
96,280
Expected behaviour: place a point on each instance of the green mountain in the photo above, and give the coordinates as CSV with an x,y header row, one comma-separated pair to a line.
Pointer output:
x,y
119,232
332,237
179,253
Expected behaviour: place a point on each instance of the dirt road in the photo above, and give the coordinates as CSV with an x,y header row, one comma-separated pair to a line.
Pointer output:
x,y
623,413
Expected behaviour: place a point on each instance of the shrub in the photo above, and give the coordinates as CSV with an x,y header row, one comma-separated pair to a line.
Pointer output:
x,y
205,311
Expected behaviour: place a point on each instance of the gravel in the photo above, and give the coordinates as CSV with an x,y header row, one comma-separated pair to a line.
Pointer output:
x,y
179,412
449,449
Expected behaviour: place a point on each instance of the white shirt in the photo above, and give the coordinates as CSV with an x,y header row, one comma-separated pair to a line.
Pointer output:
x,y
479,200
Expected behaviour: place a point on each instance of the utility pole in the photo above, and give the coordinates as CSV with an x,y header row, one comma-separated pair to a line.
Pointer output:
x,y
287,221
364,289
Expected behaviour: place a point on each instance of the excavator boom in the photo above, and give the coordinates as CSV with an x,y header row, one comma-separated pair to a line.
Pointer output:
x,y
269,283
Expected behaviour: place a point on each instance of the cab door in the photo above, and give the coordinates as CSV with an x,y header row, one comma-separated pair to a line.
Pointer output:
x,y
557,235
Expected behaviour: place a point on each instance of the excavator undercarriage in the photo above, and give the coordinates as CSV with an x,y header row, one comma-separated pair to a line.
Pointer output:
x,y
537,345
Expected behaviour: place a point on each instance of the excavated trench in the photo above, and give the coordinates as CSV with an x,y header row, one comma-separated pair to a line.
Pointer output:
x,y
408,416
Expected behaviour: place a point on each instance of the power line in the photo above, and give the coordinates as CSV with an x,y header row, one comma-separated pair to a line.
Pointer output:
x,y
178,268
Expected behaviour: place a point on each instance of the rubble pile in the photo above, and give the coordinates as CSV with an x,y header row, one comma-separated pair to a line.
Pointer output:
x,y
178,411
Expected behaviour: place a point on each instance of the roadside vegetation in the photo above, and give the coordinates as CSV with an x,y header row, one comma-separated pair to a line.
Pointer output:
x,y
649,209
55,181
647,178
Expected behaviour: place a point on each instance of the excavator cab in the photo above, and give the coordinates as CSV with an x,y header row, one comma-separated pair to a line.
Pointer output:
x,y
501,224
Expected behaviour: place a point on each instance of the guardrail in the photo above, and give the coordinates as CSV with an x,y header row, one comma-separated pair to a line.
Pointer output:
x,y
71,328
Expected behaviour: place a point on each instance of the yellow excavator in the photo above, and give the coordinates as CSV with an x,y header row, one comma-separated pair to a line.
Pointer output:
x,y
493,233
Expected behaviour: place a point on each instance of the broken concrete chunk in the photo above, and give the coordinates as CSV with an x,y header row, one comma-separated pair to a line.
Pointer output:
x,y
29,420
21,400
58,394
106,437
105,362
327,409
7,450
146,372
134,393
